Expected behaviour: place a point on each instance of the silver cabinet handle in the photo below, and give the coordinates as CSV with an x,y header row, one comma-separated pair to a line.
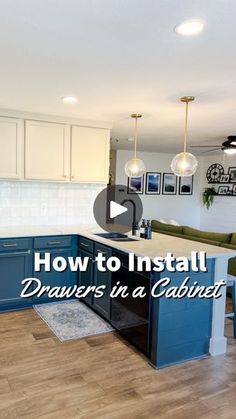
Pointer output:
x,y
84,244
56,242
100,251
10,245
26,252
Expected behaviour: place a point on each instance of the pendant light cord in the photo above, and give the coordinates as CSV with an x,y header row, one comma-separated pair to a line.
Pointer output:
x,y
135,137
186,128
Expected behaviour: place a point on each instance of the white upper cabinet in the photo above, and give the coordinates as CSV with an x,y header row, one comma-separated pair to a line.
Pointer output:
x,y
11,146
90,154
47,151
53,151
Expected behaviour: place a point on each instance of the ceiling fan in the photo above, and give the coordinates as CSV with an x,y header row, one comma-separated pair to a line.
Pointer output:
x,y
228,146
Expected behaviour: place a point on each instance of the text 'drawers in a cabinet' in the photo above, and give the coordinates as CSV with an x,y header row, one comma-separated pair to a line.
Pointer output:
x,y
162,288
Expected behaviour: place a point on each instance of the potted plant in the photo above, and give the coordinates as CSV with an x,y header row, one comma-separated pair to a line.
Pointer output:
x,y
208,196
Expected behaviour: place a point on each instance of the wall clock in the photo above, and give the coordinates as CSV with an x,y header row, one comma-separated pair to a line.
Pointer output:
x,y
214,173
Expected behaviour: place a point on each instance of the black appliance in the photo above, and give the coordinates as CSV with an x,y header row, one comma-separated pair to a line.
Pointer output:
x,y
130,316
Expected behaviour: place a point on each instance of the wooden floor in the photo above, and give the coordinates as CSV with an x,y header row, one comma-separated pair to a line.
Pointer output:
x,y
104,377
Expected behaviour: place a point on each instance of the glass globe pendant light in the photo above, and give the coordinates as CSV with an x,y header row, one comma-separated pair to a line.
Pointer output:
x,y
185,164
135,166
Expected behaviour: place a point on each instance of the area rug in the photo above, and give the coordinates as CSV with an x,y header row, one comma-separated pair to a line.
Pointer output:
x,y
71,320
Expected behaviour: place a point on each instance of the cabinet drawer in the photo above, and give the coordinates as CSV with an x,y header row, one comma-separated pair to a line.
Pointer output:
x,y
86,244
100,248
14,244
52,242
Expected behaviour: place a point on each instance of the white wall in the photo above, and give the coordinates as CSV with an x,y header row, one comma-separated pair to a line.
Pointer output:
x,y
222,214
35,203
184,209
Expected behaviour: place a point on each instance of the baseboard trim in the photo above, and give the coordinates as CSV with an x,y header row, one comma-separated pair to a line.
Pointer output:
x,y
218,346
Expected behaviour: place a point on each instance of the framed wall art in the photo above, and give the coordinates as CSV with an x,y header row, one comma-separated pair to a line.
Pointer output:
x,y
186,185
169,184
225,178
232,174
135,184
153,183
223,190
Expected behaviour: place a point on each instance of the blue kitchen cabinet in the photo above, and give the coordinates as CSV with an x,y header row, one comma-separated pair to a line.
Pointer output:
x,y
86,277
15,265
56,246
93,277
103,304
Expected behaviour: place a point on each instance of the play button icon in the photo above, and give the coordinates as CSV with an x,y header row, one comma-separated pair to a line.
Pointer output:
x,y
116,209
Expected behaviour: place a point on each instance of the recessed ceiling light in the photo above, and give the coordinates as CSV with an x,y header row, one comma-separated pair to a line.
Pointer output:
x,y
69,99
130,139
189,27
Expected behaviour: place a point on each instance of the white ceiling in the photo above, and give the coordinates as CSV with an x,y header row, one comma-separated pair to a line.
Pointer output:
x,y
119,57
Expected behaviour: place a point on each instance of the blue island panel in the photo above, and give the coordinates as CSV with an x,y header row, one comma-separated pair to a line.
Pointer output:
x,y
180,329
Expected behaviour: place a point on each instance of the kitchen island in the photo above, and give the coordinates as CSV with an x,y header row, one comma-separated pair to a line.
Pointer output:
x,y
178,330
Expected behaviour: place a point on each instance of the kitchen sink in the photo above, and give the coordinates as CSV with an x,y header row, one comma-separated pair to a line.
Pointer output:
x,y
124,239
118,237
111,235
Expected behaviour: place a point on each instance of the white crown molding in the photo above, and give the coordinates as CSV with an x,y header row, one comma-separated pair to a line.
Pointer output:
x,y
54,118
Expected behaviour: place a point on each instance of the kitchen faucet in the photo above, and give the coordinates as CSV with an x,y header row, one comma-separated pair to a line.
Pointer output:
x,y
134,214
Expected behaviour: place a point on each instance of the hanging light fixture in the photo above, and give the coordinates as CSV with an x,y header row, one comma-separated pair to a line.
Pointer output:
x,y
185,164
135,167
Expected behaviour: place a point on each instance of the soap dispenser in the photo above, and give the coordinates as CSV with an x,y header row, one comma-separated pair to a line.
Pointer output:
x,y
148,230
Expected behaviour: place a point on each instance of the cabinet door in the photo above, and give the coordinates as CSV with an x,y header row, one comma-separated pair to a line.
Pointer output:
x,y
47,151
102,305
11,146
14,267
54,278
90,154
86,277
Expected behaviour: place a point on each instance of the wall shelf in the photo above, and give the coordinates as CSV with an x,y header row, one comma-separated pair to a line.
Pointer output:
x,y
219,194
222,183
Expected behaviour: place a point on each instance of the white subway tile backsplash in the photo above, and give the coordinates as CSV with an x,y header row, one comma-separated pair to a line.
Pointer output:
x,y
42,203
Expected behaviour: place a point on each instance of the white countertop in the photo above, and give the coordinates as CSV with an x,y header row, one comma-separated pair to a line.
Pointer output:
x,y
159,245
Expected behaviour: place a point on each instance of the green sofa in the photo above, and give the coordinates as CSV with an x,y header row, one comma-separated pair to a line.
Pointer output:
x,y
227,240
